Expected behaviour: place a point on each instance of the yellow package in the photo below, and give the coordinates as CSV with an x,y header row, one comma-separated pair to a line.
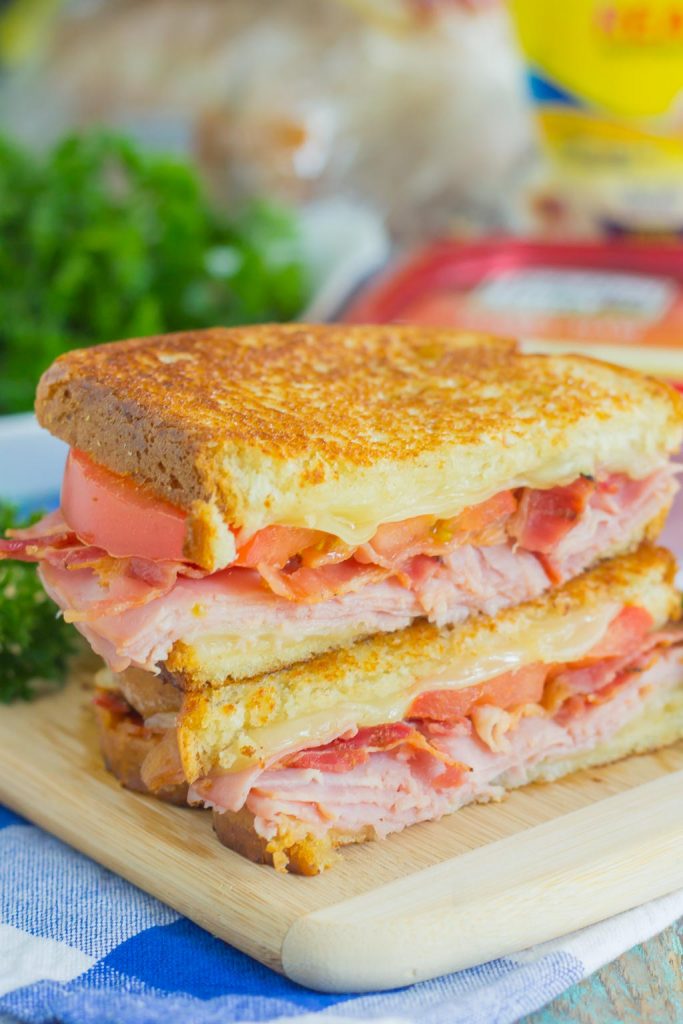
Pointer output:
x,y
606,78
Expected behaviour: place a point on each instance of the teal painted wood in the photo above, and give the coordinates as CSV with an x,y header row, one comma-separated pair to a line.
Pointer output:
x,y
644,986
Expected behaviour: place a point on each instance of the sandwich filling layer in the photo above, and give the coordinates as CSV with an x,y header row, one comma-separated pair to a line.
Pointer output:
x,y
395,785
409,726
451,748
485,712
296,586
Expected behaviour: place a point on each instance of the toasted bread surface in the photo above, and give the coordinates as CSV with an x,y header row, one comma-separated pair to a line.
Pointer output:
x,y
125,747
300,852
216,660
374,681
341,428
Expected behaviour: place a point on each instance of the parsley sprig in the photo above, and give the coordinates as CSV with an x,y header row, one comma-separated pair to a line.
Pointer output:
x,y
102,240
34,643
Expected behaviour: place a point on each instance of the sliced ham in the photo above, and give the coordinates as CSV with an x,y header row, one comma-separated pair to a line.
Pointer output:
x,y
132,610
231,602
450,734
390,792
612,511
234,602
477,579
101,584
447,590
39,541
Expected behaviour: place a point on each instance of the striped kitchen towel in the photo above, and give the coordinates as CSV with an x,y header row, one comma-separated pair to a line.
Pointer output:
x,y
79,945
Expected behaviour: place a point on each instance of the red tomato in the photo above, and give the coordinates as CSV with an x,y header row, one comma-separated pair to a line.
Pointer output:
x,y
275,545
477,517
110,511
625,634
525,686
393,539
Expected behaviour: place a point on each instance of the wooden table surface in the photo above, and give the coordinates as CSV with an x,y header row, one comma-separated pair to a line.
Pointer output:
x,y
644,986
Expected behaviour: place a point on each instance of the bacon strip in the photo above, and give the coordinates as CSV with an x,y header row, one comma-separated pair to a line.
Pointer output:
x,y
545,517
328,581
37,542
345,753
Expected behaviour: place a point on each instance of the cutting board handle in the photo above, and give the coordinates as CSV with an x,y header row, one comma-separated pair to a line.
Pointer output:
x,y
500,898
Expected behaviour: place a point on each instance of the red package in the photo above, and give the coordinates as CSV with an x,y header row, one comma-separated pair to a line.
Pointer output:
x,y
621,301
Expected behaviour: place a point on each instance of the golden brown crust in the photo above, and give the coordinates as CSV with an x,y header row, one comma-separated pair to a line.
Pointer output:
x,y
324,425
208,540
125,745
292,849
193,665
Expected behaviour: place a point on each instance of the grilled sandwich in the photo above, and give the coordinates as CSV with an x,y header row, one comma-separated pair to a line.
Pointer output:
x,y
356,744
239,500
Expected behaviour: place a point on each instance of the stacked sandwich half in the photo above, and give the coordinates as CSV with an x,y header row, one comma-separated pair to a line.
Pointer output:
x,y
345,579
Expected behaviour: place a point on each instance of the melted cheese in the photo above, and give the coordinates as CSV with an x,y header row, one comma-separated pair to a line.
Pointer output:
x,y
383,701
443,495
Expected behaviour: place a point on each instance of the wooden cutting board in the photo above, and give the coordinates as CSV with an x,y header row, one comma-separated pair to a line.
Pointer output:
x,y
487,881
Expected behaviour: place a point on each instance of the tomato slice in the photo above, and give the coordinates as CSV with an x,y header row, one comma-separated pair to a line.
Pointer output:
x,y
524,686
275,545
625,634
112,512
476,518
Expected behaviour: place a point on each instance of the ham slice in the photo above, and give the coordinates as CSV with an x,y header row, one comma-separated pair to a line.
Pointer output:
x,y
40,541
544,518
610,512
390,792
133,624
348,751
104,585
472,724
132,610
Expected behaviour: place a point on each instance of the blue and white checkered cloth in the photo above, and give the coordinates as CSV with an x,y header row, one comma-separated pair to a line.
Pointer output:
x,y
79,945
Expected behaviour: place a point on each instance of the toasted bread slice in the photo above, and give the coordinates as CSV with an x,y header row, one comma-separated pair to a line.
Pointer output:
x,y
246,723
129,746
303,853
126,745
342,428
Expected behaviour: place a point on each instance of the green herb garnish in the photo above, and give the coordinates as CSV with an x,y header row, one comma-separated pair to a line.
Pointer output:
x,y
34,643
102,241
